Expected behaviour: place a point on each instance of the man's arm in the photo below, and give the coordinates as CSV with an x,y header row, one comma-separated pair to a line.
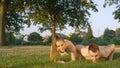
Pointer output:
x,y
112,48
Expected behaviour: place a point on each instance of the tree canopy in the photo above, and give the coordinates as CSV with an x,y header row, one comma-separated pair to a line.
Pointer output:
x,y
117,32
116,13
14,15
35,37
89,34
109,34
75,13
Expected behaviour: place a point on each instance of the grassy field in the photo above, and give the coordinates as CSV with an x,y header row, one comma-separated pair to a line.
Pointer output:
x,y
38,57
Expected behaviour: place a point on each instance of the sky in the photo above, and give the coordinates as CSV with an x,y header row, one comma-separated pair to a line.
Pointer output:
x,y
99,22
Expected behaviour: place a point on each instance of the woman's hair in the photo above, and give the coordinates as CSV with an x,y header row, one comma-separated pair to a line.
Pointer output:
x,y
58,37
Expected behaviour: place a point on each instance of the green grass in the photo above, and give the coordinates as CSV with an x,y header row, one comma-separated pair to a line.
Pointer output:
x,y
38,57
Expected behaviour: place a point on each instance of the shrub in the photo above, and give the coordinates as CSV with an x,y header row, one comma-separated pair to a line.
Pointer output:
x,y
116,41
10,39
34,36
75,38
49,41
18,42
85,41
102,41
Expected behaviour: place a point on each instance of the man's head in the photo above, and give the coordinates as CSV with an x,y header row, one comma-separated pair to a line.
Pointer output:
x,y
93,51
60,44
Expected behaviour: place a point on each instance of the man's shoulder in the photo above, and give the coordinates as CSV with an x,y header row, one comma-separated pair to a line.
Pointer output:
x,y
84,51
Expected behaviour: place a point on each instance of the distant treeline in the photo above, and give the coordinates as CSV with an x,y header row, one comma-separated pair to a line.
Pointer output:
x,y
35,39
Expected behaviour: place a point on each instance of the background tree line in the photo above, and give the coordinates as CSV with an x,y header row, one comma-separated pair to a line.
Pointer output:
x,y
34,38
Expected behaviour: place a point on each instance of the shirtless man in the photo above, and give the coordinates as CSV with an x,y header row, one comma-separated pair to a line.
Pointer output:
x,y
94,52
65,47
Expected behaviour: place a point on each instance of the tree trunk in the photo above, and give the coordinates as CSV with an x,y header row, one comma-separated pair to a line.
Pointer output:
x,y
2,23
53,47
